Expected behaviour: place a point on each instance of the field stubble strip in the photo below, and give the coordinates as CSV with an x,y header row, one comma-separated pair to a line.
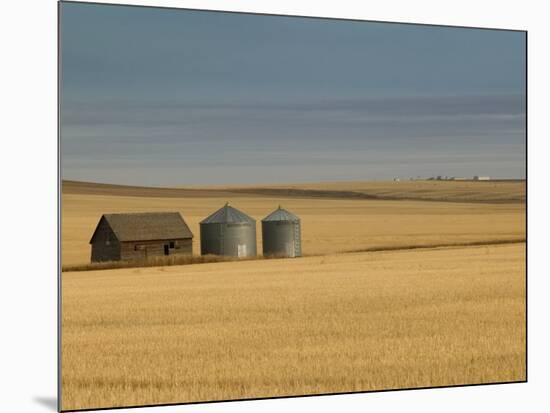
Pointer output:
x,y
363,195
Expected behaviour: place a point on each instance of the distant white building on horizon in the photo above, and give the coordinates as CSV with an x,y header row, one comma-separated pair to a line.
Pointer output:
x,y
482,178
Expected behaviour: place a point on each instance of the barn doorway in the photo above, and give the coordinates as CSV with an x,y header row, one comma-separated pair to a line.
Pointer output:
x,y
166,249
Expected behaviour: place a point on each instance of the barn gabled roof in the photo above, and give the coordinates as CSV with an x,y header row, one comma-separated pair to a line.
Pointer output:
x,y
227,214
147,226
281,214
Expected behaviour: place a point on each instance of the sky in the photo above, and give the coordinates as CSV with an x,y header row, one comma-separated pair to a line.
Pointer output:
x,y
154,96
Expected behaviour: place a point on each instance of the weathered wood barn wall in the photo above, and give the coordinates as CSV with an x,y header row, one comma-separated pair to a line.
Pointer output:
x,y
140,235
144,249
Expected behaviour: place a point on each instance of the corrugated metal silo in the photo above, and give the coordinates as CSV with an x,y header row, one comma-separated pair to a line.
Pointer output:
x,y
281,234
228,232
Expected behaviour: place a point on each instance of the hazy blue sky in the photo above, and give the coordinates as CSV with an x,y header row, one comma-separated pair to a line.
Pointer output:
x,y
176,97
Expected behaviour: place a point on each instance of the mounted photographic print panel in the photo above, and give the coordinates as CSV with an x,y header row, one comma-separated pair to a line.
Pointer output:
x,y
259,206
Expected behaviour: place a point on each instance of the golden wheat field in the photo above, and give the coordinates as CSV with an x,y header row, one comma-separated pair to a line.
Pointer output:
x,y
332,321
339,323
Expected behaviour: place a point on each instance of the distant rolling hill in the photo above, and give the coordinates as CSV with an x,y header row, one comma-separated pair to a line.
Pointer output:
x,y
505,191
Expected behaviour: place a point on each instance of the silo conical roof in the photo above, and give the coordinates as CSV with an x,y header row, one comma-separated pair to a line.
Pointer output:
x,y
281,214
227,214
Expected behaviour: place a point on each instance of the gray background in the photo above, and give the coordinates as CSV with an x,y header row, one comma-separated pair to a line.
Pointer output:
x,y
175,97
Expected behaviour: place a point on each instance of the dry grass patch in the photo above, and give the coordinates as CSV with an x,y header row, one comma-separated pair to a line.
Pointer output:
x,y
155,262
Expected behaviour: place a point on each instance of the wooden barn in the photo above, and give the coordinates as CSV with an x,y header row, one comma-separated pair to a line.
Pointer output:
x,y
140,235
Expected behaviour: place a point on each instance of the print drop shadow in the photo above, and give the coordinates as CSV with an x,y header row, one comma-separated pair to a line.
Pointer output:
x,y
49,402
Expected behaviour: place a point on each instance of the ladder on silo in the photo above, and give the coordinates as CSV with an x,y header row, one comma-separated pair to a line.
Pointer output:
x,y
297,240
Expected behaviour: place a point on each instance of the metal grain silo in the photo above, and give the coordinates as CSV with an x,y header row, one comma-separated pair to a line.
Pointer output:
x,y
281,234
228,232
